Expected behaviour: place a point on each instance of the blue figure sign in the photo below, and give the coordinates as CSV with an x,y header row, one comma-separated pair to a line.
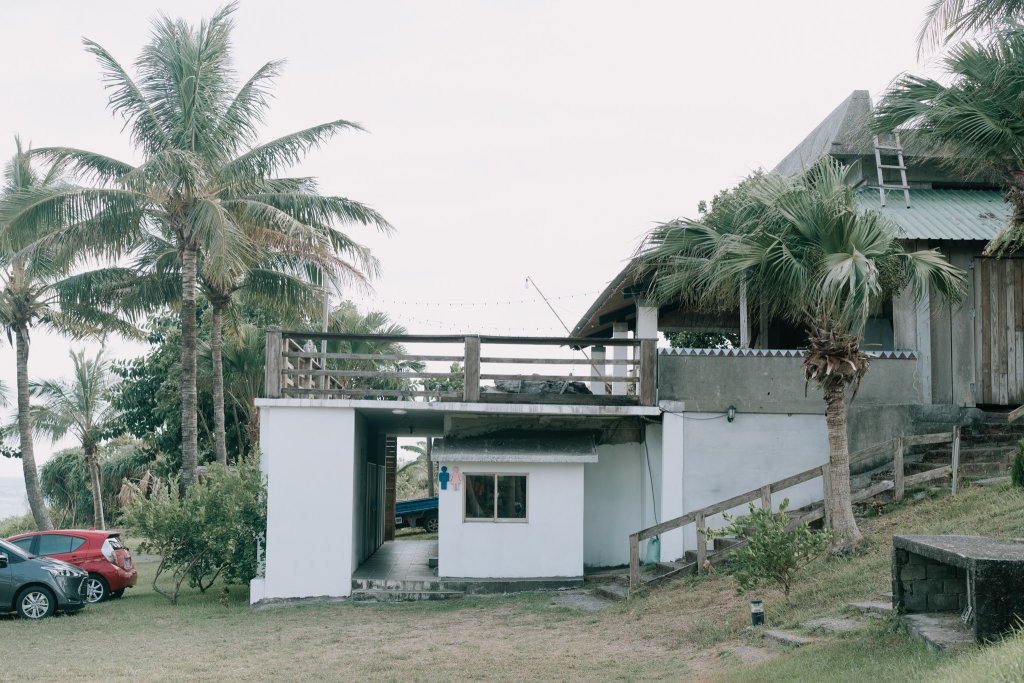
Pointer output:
x,y
443,477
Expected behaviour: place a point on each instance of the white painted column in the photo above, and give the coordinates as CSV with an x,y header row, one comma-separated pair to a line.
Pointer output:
x,y
670,500
619,331
297,443
646,320
598,369
924,347
744,317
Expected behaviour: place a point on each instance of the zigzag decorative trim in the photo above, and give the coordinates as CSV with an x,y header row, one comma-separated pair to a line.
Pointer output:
x,y
776,353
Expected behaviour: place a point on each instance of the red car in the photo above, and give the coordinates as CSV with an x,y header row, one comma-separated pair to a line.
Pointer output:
x,y
100,553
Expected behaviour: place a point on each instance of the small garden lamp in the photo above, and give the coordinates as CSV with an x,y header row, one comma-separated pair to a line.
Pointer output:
x,y
730,413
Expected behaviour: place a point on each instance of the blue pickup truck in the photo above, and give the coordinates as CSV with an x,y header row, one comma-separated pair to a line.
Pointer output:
x,y
421,512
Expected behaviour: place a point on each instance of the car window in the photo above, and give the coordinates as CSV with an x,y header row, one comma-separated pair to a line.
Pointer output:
x,y
14,552
115,542
25,543
54,544
76,543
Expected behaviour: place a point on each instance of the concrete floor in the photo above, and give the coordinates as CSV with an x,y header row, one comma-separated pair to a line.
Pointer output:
x,y
400,561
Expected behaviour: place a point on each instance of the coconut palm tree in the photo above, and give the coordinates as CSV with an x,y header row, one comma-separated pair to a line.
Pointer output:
x,y
36,291
973,121
205,183
79,406
815,261
949,19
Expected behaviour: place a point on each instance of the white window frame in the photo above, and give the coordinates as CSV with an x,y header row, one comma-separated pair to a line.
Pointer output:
x,y
496,519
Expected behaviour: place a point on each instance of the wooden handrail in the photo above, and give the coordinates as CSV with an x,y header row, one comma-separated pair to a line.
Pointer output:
x,y
763,494
294,365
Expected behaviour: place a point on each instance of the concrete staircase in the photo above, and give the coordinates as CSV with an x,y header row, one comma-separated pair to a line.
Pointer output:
x,y
987,448
615,586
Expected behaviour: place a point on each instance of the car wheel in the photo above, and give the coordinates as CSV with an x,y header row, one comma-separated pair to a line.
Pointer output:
x,y
36,602
431,525
96,589
114,595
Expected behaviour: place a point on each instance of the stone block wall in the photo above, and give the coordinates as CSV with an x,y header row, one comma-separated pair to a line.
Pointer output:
x,y
924,585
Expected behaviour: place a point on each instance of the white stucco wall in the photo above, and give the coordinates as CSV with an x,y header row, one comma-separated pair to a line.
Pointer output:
x,y
613,503
721,459
310,537
548,544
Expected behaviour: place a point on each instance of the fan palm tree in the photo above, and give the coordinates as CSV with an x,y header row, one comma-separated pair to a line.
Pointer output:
x,y
36,291
79,406
816,261
948,19
205,184
975,123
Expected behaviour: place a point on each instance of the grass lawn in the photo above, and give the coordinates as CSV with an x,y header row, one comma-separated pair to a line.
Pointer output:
x,y
692,629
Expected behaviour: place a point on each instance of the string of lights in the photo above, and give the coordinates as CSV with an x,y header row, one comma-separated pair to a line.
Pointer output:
x,y
470,304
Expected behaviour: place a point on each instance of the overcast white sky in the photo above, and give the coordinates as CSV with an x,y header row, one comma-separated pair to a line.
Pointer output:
x,y
506,138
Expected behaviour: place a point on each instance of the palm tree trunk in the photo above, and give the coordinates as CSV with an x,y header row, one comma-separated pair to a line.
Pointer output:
x,y
840,507
430,467
189,426
219,437
97,488
28,458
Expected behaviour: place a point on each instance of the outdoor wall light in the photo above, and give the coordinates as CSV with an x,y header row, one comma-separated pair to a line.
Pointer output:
x,y
730,413
398,411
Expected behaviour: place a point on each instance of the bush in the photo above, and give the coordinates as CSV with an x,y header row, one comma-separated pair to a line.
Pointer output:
x,y
11,526
774,553
1017,471
214,529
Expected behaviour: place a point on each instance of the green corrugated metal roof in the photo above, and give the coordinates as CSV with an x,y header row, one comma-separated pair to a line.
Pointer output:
x,y
942,214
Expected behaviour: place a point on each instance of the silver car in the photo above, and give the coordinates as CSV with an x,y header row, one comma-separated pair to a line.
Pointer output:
x,y
37,587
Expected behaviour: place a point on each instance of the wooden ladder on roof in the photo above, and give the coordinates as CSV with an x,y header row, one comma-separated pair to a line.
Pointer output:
x,y
887,171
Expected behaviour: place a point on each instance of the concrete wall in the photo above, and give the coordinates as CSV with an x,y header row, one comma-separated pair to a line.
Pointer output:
x,y
310,535
548,544
762,384
616,491
721,459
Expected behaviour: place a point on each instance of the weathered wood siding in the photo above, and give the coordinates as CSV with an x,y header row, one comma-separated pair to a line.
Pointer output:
x,y
999,330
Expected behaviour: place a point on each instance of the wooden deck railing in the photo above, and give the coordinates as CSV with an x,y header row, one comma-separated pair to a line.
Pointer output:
x,y
297,368
763,494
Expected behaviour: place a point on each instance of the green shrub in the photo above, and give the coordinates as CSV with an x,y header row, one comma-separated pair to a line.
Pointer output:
x,y
1017,471
774,553
12,526
214,529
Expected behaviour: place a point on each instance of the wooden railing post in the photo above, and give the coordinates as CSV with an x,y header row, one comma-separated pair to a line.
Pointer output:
x,y
826,483
648,372
702,544
634,562
471,389
899,487
956,460
272,366
766,498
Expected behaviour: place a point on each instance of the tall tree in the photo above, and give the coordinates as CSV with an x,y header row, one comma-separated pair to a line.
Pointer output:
x,y
946,20
37,290
816,261
81,406
973,121
205,184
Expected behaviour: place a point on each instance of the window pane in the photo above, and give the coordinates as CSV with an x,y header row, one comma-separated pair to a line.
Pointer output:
x,y
24,543
76,543
54,544
479,496
511,497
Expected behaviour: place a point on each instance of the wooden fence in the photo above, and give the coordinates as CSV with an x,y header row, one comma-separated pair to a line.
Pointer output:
x,y
296,368
763,494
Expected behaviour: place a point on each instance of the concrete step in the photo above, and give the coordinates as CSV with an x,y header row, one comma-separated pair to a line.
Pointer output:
x,y
787,638
940,630
382,595
873,607
676,566
612,591
983,469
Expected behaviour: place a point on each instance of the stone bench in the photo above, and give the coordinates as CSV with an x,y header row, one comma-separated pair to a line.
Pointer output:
x,y
981,578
